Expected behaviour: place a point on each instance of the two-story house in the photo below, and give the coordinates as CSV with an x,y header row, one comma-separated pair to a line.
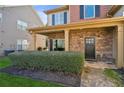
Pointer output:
x,y
90,29
57,16
14,21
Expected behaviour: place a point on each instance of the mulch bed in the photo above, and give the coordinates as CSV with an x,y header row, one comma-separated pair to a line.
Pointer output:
x,y
60,77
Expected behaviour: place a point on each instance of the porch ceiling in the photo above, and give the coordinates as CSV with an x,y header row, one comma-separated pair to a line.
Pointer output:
x,y
97,23
49,32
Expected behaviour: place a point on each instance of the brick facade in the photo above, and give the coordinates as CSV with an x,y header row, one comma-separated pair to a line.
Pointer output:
x,y
75,13
58,35
103,39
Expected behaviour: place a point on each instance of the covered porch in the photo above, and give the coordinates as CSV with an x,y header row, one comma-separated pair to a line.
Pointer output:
x,y
107,35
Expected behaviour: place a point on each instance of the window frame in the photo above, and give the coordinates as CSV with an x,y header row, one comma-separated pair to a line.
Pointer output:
x,y
21,26
57,44
93,12
1,18
21,43
58,18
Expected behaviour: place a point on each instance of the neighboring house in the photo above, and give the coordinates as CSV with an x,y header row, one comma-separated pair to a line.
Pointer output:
x,y
14,21
88,29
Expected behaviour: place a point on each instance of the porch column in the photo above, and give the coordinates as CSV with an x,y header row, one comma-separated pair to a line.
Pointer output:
x,y
120,46
33,41
66,39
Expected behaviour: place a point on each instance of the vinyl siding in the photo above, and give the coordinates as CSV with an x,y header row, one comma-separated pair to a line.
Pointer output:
x,y
9,33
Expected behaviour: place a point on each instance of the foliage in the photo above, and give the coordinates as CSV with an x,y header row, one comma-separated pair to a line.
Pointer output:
x,y
114,76
68,62
39,48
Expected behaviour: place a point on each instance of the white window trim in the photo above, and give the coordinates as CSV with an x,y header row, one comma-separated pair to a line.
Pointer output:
x,y
22,44
22,26
59,16
123,13
1,17
89,17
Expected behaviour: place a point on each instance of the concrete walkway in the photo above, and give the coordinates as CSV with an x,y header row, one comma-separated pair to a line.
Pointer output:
x,y
99,65
93,76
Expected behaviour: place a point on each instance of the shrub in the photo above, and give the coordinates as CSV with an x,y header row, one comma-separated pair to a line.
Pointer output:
x,y
39,48
68,62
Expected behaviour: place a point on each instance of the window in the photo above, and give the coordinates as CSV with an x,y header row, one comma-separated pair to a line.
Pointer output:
x,y
0,17
89,11
21,25
22,44
59,18
58,44
123,13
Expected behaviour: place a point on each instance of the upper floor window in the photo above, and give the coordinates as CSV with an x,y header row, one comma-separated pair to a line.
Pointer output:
x,y
59,18
21,25
89,11
1,17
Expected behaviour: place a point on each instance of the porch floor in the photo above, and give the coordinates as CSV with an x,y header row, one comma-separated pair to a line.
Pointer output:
x,y
99,65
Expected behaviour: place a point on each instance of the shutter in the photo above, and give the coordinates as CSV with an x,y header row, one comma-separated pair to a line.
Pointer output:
x,y
81,11
51,44
65,17
53,19
97,10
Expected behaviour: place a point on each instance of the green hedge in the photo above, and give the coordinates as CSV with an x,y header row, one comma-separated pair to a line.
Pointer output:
x,y
71,62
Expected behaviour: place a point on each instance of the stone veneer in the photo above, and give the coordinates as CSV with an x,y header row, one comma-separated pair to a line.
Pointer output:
x,y
56,35
104,42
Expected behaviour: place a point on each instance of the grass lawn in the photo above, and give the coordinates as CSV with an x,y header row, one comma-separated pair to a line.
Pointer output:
x,y
114,76
7,80
4,62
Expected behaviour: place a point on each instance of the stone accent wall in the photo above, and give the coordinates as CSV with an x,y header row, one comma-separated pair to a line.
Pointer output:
x,y
104,41
58,35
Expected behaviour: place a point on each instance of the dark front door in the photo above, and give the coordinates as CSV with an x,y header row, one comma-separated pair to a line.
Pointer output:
x,y
89,48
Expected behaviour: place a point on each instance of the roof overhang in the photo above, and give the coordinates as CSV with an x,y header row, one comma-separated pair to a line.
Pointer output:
x,y
97,23
114,9
62,8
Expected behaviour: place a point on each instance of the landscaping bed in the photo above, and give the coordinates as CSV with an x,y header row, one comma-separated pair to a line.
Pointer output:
x,y
62,67
116,76
11,80
59,77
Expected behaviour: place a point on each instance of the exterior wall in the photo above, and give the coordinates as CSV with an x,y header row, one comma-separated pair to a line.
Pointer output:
x,y
104,41
49,17
119,13
75,13
8,31
40,41
59,35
